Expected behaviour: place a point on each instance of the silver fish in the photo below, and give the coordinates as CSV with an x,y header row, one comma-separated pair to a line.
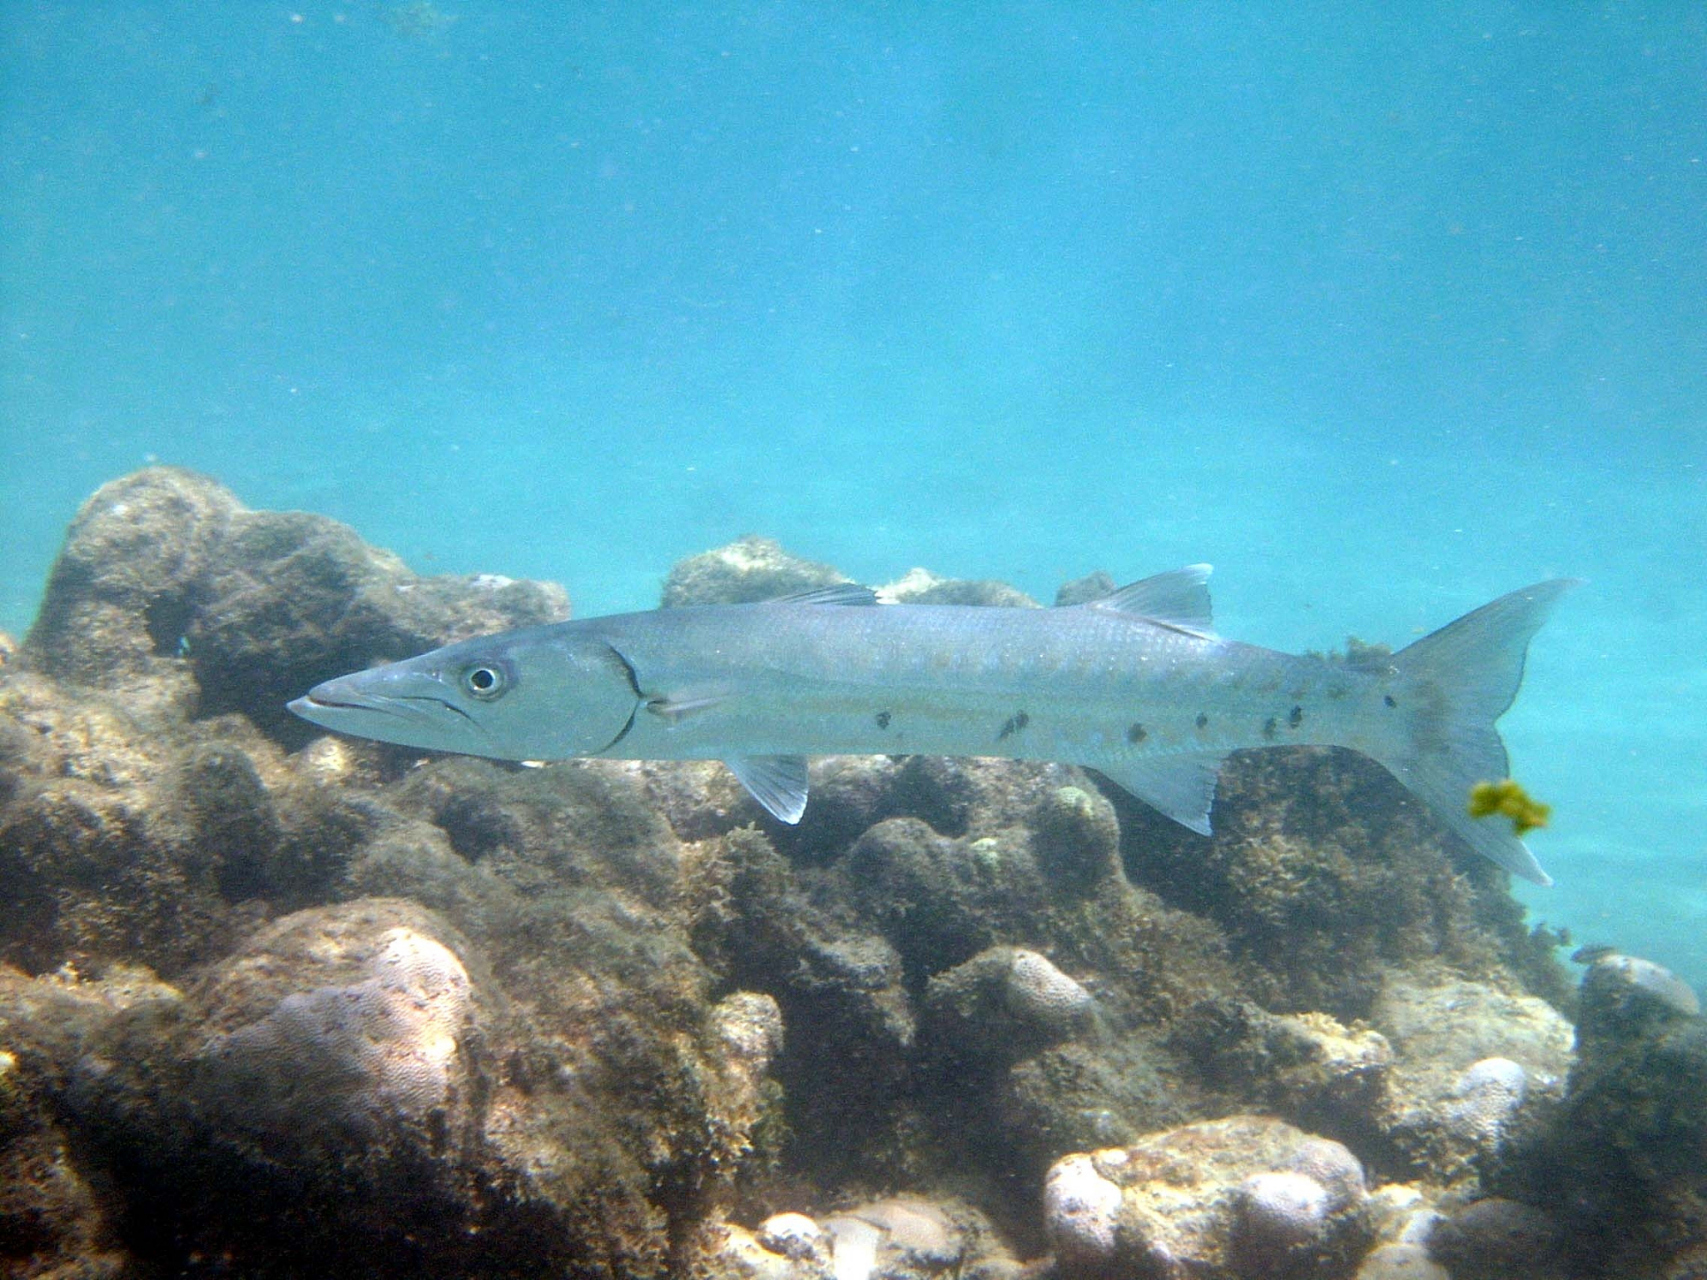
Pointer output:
x,y
1136,685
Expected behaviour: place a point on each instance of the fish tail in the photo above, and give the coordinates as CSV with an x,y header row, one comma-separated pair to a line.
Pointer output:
x,y
1458,682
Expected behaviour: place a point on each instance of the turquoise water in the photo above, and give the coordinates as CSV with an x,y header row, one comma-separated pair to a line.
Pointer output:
x,y
1384,314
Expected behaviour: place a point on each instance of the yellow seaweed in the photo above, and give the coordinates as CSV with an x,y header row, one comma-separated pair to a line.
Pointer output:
x,y
1508,798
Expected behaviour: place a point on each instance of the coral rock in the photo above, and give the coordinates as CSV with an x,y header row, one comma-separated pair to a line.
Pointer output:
x,y
793,1235
374,1049
1401,1262
1485,1098
1495,1239
921,586
1222,1199
1039,993
746,570
1446,1108
1004,1003
172,592
1081,1213
1276,1214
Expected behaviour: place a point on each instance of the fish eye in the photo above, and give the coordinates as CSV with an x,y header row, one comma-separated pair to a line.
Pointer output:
x,y
484,682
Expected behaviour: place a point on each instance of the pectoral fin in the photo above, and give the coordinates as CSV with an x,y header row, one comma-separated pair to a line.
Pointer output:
x,y
1181,786
776,782
678,708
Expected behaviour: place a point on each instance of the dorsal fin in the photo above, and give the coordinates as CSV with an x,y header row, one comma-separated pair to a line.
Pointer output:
x,y
840,593
1177,599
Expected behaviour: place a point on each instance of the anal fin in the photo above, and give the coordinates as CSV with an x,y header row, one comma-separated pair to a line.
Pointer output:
x,y
776,782
1180,786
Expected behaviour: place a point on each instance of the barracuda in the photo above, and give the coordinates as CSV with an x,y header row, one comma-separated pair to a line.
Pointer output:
x,y
1136,686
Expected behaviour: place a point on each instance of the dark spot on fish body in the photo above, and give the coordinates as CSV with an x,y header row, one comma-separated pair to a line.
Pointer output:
x,y
1295,717
1136,733
1390,700
1269,727
1202,720
882,719
1013,724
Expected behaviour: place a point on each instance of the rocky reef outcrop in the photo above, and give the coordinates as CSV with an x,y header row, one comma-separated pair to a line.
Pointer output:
x,y
274,1003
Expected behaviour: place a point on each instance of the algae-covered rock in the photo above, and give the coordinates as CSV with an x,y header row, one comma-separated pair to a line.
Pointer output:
x,y
1093,586
1495,1239
334,1057
170,590
57,1219
1624,1157
1468,1058
1076,839
1324,873
124,582
1307,1067
366,1059
746,570
921,586
154,846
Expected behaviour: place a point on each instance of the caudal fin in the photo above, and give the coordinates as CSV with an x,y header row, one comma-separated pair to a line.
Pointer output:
x,y
1462,678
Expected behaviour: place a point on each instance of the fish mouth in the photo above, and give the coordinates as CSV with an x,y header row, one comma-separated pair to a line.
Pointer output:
x,y
314,700
334,705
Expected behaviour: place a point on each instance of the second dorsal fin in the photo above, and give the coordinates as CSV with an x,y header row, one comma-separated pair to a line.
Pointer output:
x,y
840,593
1178,599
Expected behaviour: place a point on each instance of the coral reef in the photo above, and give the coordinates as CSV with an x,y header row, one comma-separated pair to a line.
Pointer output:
x,y
172,593
277,1004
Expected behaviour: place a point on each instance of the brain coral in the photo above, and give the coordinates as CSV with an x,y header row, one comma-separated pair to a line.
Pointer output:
x,y
355,1056
1039,993
1485,1098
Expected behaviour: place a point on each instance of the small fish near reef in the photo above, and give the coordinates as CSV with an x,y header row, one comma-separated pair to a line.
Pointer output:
x,y
1135,685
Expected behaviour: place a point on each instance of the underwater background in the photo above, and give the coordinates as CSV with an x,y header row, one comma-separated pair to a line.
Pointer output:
x,y
1384,312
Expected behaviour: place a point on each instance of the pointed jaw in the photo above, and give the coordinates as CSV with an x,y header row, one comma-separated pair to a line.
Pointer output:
x,y
410,708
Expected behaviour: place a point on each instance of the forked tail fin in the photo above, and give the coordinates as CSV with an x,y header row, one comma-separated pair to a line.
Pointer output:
x,y
1464,676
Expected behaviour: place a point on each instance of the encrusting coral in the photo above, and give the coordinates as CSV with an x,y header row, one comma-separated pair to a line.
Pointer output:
x,y
308,1005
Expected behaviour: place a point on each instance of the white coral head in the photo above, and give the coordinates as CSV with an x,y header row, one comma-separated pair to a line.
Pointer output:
x,y
1332,1165
1652,982
1486,1096
1280,1211
1080,1210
